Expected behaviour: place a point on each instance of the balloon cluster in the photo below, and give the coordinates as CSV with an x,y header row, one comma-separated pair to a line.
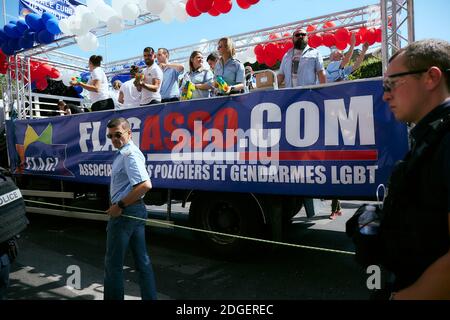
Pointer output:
x,y
270,53
23,33
340,38
39,72
194,8
87,18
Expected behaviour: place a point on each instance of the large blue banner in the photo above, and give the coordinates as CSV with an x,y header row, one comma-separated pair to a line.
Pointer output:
x,y
59,8
339,140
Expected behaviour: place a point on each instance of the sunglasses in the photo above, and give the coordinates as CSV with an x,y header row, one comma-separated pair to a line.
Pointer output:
x,y
117,135
300,34
389,84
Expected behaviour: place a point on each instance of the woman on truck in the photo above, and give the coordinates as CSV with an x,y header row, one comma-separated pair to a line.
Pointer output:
x,y
97,86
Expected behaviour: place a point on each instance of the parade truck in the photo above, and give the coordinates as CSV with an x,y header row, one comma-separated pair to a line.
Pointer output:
x,y
243,164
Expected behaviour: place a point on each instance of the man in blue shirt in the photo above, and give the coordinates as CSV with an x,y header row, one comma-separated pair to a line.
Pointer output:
x,y
301,65
129,183
169,87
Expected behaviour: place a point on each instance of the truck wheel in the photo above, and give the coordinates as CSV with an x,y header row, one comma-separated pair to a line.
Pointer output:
x,y
226,213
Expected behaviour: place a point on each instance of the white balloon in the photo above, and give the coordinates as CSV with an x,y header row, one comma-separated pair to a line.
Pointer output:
x,y
80,10
143,6
88,42
76,27
156,6
115,24
117,5
92,4
168,14
90,20
130,11
66,77
64,26
104,12
180,12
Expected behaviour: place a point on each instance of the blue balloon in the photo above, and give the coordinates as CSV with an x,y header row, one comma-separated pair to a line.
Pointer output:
x,y
33,85
78,89
26,43
22,25
52,26
47,16
29,35
45,37
7,50
3,35
12,31
14,44
34,21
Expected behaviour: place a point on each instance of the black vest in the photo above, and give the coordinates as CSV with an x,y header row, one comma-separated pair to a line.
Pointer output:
x,y
414,229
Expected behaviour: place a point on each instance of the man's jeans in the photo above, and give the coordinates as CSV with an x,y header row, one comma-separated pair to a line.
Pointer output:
x,y
121,233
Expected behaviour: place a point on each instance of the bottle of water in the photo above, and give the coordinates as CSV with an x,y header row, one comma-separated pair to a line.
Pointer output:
x,y
368,221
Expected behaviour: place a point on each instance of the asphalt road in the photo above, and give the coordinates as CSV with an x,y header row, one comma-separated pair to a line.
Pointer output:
x,y
184,269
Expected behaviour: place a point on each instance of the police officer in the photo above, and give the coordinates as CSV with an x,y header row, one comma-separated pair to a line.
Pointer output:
x,y
12,222
414,230
129,183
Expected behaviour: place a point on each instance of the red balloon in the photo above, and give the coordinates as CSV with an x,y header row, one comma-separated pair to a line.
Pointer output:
x,y
191,10
243,4
259,49
328,24
315,40
378,35
252,2
328,39
54,73
310,28
223,6
288,45
45,69
343,35
214,12
260,58
203,6
41,84
280,52
273,36
362,31
270,61
358,39
271,49
370,36
341,45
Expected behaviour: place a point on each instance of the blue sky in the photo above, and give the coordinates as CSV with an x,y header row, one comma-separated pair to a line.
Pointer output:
x,y
431,20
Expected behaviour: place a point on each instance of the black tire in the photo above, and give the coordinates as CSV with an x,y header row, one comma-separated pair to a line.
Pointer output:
x,y
228,213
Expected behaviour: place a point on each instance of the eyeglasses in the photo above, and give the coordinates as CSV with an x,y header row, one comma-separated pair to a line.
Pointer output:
x,y
300,34
117,135
389,84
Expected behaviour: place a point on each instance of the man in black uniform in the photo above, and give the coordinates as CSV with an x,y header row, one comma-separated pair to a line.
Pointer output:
x,y
414,230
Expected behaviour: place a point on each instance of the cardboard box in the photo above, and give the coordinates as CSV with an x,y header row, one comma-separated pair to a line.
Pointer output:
x,y
264,80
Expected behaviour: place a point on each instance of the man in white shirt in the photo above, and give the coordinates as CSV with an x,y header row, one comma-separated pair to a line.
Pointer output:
x,y
129,96
150,85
